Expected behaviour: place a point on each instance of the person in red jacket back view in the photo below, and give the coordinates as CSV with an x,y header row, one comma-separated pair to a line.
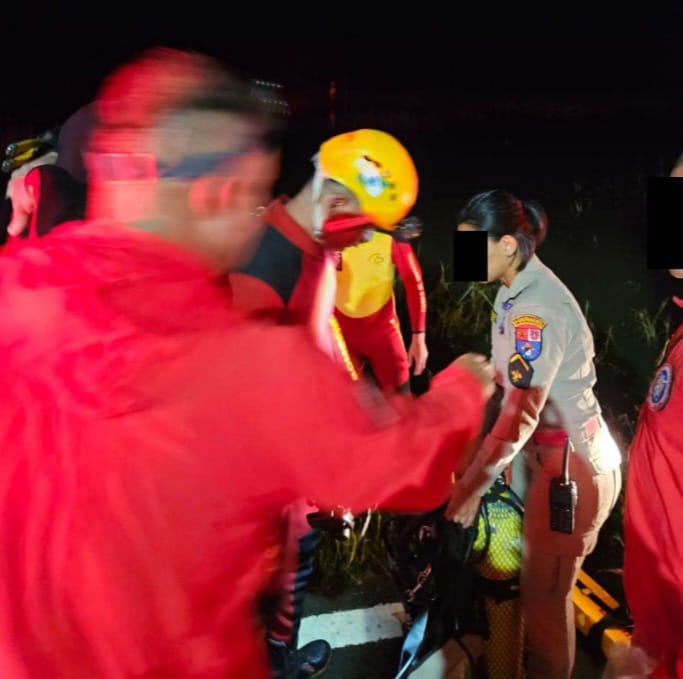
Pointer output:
x,y
148,446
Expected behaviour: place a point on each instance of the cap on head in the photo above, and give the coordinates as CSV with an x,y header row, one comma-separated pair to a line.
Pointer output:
x,y
377,169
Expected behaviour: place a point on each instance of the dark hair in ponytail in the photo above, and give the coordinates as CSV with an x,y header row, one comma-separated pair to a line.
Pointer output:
x,y
500,213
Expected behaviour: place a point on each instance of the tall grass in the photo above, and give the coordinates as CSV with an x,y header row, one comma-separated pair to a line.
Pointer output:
x,y
654,328
356,561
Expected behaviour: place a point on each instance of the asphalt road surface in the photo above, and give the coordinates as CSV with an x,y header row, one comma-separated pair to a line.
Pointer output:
x,y
364,628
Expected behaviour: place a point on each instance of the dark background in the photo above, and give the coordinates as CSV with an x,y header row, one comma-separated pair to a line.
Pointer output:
x,y
434,55
570,104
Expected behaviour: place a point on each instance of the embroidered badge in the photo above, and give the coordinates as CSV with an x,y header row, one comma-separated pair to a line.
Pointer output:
x,y
529,336
519,372
660,389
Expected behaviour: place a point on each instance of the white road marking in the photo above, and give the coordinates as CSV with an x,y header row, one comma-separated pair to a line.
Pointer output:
x,y
354,627
365,625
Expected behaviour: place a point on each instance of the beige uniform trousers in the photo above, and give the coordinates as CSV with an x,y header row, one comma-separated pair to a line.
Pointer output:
x,y
551,561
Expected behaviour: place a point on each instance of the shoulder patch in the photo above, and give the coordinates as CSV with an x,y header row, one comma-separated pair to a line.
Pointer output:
x,y
660,389
519,372
529,335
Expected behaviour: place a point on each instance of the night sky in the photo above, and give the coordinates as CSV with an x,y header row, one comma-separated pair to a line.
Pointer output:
x,y
54,61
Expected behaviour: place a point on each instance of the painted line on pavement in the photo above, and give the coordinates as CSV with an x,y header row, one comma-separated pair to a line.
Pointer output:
x,y
354,627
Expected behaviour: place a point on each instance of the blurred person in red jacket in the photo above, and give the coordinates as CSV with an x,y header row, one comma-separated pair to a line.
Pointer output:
x,y
148,447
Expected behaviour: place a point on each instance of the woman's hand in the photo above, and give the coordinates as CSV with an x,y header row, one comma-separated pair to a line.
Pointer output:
x,y
463,506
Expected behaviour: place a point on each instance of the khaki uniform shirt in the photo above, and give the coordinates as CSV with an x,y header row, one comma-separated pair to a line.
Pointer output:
x,y
543,352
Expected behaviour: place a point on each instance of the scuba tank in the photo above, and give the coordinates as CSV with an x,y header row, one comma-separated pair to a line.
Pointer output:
x,y
458,582
497,560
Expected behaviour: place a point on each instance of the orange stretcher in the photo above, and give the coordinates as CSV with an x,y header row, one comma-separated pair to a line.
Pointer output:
x,y
598,615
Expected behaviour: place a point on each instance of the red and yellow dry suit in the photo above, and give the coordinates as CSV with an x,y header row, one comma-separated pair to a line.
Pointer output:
x,y
366,309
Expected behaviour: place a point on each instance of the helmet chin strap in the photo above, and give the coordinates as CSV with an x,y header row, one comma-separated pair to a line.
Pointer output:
x,y
317,192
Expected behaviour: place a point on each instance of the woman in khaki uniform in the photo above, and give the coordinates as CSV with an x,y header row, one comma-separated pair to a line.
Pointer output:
x,y
543,352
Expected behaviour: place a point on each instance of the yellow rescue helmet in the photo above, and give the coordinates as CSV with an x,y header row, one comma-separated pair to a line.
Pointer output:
x,y
377,169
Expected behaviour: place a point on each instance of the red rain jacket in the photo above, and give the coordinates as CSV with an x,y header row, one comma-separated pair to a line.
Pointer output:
x,y
653,520
150,437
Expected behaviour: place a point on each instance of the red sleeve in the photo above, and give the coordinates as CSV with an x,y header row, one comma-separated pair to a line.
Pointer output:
x,y
343,444
411,275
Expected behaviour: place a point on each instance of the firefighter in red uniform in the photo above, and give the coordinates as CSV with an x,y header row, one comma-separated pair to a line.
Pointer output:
x,y
148,446
291,278
653,548
653,512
